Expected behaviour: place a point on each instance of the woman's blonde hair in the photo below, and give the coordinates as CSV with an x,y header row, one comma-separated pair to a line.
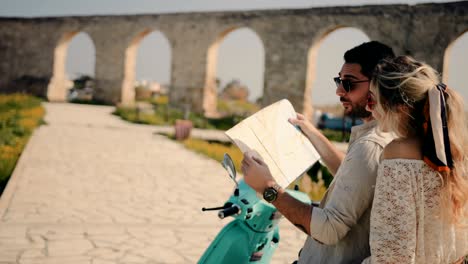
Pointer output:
x,y
401,88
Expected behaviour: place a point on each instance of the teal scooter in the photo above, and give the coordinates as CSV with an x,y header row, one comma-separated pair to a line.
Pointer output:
x,y
253,235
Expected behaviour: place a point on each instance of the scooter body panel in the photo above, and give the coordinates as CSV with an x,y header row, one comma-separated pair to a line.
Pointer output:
x,y
237,243
253,235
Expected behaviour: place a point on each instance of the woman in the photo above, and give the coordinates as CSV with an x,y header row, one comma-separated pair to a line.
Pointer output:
x,y
420,203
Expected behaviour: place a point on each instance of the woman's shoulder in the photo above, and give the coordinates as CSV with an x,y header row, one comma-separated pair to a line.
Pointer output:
x,y
406,148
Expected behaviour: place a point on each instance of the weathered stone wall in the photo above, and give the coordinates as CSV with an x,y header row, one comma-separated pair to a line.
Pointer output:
x,y
27,46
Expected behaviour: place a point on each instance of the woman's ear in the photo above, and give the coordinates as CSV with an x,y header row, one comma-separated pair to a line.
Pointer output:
x,y
403,109
404,118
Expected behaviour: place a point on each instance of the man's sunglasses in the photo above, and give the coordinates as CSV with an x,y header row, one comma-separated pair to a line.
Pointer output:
x,y
347,84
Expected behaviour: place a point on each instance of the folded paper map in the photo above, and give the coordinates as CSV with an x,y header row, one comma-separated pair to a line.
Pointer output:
x,y
283,147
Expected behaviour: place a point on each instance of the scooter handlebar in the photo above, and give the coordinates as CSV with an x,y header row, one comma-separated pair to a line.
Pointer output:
x,y
234,209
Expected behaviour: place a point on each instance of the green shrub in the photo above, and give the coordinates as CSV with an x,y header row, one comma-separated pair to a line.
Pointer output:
x,y
164,114
225,123
19,115
335,135
215,150
159,100
89,102
17,102
237,107
82,81
319,172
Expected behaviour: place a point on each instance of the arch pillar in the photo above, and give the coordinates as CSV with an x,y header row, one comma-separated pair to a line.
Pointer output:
x,y
109,68
59,83
285,71
447,55
188,73
128,91
210,92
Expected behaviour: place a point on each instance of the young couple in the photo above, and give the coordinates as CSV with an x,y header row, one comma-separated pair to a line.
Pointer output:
x,y
399,194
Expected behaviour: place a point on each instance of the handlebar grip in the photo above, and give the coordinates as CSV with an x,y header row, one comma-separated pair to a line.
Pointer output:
x,y
234,209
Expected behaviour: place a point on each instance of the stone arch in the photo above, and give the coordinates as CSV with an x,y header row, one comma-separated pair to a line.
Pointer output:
x,y
453,75
447,55
312,65
128,90
210,92
59,83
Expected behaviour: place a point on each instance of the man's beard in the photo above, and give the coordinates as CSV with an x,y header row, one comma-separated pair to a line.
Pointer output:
x,y
358,110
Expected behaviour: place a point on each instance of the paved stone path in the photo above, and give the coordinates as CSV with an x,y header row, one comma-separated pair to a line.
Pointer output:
x,y
90,188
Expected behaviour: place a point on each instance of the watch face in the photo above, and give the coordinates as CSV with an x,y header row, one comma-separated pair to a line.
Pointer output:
x,y
270,194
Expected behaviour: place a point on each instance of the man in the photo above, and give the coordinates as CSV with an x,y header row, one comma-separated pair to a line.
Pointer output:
x,y
338,229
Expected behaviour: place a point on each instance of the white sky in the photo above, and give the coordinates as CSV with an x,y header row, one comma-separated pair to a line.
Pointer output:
x,y
103,7
241,53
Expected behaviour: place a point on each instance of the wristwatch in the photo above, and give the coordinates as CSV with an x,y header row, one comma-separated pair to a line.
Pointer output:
x,y
271,193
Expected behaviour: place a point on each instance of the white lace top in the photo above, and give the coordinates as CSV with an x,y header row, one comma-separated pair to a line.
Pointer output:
x,y
407,223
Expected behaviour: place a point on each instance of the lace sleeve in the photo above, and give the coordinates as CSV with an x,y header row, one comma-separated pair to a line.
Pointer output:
x,y
393,218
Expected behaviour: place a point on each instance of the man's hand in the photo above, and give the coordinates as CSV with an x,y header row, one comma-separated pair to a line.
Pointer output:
x,y
258,176
256,173
306,126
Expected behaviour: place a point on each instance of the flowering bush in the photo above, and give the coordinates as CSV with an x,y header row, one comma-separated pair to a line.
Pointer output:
x,y
19,115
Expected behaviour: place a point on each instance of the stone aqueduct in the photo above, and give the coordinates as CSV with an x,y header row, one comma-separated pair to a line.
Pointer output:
x,y
33,50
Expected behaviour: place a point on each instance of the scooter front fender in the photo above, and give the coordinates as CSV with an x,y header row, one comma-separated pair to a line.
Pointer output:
x,y
236,243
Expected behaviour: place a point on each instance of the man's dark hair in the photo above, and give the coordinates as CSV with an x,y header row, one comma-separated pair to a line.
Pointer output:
x,y
368,55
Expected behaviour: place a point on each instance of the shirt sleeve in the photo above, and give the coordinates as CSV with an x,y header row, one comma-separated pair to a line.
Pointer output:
x,y
351,196
393,217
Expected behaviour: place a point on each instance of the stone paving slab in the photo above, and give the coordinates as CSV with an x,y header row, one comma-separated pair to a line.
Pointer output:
x,y
93,189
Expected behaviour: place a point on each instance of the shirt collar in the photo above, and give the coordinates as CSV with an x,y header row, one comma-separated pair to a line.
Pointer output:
x,y
360,130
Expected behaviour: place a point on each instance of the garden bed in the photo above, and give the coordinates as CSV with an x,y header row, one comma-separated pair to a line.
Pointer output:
x,y
20,114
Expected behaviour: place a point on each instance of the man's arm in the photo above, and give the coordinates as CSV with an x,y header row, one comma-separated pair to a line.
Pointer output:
x,y
352,195
330,154
258,176
297,212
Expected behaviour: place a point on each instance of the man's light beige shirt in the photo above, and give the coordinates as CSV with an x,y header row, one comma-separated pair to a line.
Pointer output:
x,y
340,225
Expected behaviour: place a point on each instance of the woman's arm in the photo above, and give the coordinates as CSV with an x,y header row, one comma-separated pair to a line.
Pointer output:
x,y
330,154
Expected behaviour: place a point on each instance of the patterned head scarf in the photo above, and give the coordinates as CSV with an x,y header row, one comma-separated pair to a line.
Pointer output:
x,y
436,147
